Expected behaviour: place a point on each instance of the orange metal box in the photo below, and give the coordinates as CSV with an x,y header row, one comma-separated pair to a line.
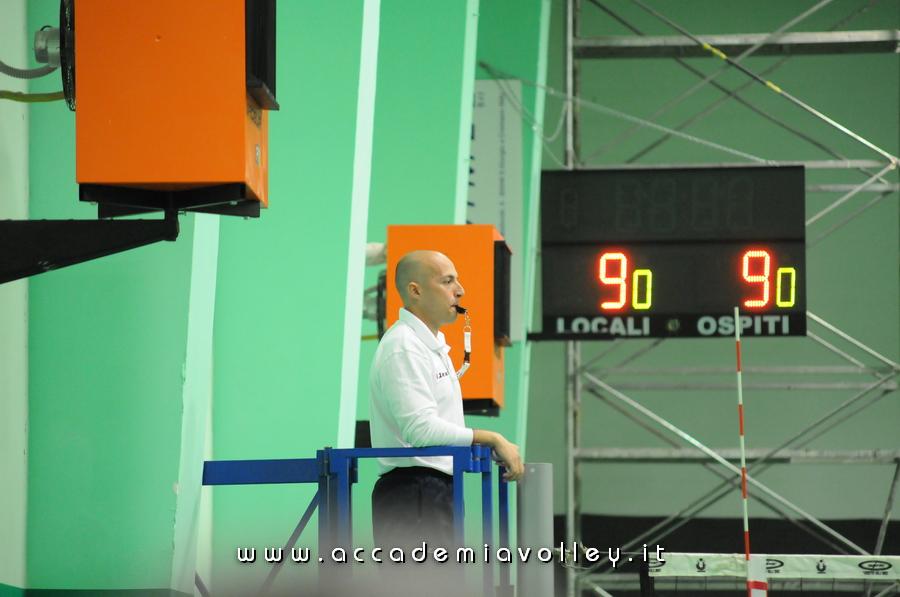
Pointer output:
x,y
162,100
472,248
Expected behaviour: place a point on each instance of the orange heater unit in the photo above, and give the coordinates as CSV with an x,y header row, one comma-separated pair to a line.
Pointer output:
x,y
482,260
171,101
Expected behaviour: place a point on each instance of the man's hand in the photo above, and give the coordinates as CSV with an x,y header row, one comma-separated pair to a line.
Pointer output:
x,y
507,452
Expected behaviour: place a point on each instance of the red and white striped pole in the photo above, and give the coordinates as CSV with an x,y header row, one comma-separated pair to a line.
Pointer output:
x,y
757,585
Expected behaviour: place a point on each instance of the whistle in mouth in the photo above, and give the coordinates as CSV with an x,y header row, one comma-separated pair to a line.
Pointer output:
x,y
460,310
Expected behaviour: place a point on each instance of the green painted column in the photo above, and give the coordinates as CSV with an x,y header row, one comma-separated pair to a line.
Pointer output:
x,y
423,115
197,394
420,164
289,296
13,314
512,40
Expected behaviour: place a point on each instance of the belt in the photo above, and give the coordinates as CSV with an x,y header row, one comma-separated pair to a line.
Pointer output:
x,y
417,471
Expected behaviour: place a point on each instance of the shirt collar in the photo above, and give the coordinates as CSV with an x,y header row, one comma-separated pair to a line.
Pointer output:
x,y
436,343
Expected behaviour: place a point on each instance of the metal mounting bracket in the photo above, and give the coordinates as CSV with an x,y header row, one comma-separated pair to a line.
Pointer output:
x,y
30,247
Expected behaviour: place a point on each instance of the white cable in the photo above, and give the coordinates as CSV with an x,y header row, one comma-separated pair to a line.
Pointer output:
x,y
533,124
634,119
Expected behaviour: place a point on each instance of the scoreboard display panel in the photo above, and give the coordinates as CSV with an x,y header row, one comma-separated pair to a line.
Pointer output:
x,y
671,252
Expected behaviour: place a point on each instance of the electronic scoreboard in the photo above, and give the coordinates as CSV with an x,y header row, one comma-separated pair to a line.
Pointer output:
x,y
670,252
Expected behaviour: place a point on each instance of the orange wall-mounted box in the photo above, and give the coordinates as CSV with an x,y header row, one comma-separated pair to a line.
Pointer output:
x,y
165,97
482,262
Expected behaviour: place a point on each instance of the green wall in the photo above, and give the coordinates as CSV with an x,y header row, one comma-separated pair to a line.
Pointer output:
x,y
106,347
122,348
280,360
13,314
289,297
852,275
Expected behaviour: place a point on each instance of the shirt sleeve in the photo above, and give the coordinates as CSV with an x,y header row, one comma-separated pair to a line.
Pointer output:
x,y
411,403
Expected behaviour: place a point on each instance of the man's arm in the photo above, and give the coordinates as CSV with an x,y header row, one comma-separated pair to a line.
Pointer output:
x,y
506,451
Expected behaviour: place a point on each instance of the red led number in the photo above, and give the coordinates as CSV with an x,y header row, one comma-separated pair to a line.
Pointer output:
x,y
756,266
608,267
613,271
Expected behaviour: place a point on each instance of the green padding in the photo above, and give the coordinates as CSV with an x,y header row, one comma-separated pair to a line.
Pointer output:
x,y
8,591
98,592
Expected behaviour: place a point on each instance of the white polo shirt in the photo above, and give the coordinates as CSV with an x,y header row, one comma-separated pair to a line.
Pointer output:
x,y
414,395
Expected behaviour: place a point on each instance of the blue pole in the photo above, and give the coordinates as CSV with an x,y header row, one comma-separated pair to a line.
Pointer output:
x,y
459,531
340,465
324,501
290,543
487,516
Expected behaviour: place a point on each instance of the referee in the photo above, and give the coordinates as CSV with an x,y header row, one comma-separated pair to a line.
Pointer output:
x,y
415,401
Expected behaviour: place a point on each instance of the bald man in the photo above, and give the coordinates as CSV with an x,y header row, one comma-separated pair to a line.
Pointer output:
x,y
415,401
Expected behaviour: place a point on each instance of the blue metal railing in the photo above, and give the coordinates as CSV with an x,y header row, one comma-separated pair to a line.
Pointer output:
x,y
335,470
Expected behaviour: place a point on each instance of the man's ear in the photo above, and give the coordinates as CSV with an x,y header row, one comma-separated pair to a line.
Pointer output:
x,y
413,290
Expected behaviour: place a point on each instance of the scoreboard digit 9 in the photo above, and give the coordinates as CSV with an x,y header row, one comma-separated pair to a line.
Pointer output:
x,y
671,252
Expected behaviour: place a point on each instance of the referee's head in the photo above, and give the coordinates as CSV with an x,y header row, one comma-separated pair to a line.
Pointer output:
x,y
429,287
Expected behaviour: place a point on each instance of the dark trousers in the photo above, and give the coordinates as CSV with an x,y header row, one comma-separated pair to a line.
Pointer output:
x,y
411,505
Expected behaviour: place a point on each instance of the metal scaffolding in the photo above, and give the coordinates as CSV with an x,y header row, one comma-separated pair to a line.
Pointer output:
x,y
870,382
795,44
581,379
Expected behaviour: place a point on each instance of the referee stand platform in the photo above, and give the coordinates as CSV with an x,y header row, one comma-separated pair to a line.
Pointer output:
x,y
335,470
